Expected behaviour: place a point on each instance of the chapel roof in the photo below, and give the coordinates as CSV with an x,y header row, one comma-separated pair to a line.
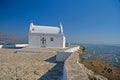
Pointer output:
x,y
44,29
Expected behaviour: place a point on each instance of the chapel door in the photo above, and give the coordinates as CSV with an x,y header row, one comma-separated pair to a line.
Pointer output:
x,y
43,42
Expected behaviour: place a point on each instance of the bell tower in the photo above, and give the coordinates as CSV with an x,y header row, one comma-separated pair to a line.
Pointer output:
x,y
61,28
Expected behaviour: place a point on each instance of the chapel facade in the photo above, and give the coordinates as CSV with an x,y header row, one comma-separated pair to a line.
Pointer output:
x,y
46,36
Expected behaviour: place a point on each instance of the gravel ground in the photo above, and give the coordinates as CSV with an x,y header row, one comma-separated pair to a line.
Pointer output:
x,y
29,66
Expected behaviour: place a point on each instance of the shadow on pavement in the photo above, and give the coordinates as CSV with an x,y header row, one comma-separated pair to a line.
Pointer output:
x,y
56,72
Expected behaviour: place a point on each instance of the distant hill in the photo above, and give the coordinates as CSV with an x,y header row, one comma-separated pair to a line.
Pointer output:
x,y
11,39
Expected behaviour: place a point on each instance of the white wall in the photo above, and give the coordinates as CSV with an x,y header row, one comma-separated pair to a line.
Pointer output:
x,y
13,46
62,56
35,40
72,49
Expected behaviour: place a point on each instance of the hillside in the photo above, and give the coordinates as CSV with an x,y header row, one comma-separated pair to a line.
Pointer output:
x,y
99,66
10,39
102,68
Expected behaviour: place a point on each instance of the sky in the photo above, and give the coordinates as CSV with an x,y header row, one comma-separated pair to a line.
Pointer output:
x,y
84,21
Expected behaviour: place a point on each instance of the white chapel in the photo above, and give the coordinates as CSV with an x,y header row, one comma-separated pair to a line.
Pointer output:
x,y
46,36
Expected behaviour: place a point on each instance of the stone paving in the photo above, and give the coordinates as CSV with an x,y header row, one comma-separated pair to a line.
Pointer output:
x,y
29,66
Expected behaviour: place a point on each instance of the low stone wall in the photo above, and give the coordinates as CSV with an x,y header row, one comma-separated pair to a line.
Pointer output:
x,y
62,56
72,49
13,46
33,51
73,70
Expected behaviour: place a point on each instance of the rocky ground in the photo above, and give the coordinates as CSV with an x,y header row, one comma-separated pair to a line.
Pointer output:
x,y
102,68
29,66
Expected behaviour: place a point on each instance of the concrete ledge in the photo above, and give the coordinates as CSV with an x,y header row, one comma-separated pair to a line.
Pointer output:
x,y
62,56
74,71
14,46
72,49
33,51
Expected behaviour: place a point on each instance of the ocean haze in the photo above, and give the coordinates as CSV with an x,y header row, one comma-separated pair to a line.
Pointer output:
x,y
108,53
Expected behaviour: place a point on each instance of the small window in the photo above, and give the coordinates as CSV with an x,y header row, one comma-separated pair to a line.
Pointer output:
x,y
51,39
32,29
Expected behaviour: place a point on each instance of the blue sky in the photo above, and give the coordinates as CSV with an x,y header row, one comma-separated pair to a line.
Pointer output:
x,y
84,21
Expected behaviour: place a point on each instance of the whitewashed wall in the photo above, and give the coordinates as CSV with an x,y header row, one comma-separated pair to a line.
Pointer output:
x,y
13,46
35,40
73,70
62,56
1,46
72,49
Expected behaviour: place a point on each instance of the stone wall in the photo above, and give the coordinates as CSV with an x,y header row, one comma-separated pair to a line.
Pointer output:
x,y
62,56
13,46
35,40
73,70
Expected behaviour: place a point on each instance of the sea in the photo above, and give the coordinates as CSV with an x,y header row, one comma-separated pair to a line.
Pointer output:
x,y
108,53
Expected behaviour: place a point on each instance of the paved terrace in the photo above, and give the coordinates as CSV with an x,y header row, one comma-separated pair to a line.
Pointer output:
x,y
30,66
